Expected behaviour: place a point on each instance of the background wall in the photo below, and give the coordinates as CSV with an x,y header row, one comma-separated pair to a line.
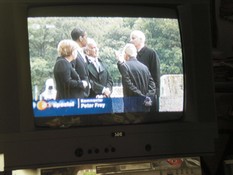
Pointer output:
x,y
224,27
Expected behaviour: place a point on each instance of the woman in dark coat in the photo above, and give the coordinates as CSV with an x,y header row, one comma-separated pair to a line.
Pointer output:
x,y
68,82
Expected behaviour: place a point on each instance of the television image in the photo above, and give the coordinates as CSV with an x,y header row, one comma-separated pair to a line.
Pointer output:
x,y
41,131
111,34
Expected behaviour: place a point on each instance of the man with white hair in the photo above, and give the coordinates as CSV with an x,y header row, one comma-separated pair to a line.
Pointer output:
x,y
148,57
138,85
100,78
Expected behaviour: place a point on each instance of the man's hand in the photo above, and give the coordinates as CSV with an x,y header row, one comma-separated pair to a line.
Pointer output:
x,y
148,101
107,92
84,83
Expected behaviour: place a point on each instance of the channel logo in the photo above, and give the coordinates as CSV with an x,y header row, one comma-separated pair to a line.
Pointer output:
x,y
42,105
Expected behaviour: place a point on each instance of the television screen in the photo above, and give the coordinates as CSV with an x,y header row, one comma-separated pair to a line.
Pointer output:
x,y
124,90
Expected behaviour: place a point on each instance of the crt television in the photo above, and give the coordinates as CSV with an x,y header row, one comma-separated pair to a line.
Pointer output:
x,y
40,132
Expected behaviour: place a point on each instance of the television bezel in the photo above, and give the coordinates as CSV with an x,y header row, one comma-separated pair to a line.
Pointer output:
x,y
198,126
106,10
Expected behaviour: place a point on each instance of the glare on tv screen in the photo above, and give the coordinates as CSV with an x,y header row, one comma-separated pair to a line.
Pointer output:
x,y
128,88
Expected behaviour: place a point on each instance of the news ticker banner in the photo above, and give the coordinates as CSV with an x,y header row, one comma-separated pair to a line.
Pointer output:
x,y
85,106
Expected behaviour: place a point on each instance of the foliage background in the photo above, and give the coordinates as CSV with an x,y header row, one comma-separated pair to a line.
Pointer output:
x,y
111,34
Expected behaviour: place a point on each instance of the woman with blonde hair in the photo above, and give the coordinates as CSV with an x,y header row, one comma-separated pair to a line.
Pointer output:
x,y
68,82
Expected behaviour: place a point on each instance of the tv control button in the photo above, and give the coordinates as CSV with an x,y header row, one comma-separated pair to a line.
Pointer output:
x,y
79,152
97,150
113,149
148,147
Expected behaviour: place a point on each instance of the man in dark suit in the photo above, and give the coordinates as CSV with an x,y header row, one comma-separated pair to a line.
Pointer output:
x,y
101,81
80,64
148,57
138,85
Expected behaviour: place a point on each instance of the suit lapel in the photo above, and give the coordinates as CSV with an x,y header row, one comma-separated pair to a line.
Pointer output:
x,y
101,68
80,57
92,70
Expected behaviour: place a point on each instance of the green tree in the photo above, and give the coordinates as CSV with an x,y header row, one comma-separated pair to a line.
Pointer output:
x,y
111,34
163,36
